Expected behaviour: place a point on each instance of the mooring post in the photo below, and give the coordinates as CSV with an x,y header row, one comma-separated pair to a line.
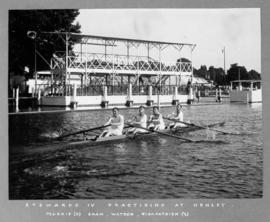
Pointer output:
x,y
251,86
105,102
33,92
17,100
175,95
129,102
150,99
190,95
39,97
74,102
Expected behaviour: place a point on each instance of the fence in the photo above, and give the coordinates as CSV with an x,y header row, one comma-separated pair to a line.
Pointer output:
x,y
96,90
90,90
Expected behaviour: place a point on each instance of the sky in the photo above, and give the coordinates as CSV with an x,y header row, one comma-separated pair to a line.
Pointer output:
x,y
238,30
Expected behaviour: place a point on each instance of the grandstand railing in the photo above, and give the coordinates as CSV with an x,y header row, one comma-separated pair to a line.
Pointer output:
x,y
98,61
115,90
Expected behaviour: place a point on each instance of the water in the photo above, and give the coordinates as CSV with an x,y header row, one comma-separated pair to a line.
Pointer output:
x,y
155,167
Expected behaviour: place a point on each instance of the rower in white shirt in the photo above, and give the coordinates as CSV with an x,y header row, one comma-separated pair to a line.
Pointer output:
x,y
156,120
116,124
139,120
177,115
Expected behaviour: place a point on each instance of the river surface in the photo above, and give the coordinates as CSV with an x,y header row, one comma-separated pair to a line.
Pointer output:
x,y
151,168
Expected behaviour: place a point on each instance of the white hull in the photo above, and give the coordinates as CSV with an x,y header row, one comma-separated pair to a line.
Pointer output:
x,y
246,96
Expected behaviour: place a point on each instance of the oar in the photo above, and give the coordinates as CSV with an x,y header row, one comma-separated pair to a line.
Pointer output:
x,y
158,132
202,127
83,131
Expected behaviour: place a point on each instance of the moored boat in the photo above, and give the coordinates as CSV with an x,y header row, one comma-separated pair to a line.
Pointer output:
x,y
246,91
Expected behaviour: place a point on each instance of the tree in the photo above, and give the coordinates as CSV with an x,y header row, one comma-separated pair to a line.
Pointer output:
x,y
217,75
237,72
22,48
254,75
202,72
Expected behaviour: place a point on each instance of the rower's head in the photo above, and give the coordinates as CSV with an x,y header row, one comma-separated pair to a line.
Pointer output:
x,y
115,111
141,109
179,107
155,110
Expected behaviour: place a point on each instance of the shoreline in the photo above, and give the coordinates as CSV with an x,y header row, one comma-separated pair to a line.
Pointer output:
x,y
82,109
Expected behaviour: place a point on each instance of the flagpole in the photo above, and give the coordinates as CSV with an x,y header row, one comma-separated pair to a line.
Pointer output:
x,y
224,53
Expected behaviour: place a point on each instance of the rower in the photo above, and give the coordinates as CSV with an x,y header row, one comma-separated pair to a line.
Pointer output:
x,y
156,120
139,120
116,123
177,115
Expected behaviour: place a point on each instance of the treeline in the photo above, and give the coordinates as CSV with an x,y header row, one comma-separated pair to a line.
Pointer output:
x,y
218,76
22,46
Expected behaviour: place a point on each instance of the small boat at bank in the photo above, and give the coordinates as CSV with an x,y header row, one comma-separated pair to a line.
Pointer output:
x,y
246,91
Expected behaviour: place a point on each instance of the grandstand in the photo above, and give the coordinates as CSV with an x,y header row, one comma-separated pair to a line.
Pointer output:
x,y
117,64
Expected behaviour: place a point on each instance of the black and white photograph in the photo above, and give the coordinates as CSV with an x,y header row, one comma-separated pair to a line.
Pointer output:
x,y
135,104
134,111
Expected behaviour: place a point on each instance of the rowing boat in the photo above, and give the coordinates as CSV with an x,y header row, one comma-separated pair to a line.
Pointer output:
x,y
90,141
177,130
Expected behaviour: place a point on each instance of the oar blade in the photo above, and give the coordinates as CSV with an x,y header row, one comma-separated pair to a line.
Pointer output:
x,y
161,133
202,127
82,131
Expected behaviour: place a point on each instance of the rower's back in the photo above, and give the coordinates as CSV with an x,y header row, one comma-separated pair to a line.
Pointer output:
x,y
117,119
157,119
141,119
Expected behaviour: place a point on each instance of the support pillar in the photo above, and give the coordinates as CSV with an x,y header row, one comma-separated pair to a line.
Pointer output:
x,y
249,97
13,93
251,86
129,102
39,97
240,87
150,100
175,100
190,96
105,102
74,103
17,100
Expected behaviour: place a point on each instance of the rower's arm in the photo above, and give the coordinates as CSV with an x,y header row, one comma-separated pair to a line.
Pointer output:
x,y
134,118
108,122
142,120
174,118
158,121
121,122
178,117
170,116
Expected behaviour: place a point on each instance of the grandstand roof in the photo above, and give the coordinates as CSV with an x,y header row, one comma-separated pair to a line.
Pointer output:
x,y
84,36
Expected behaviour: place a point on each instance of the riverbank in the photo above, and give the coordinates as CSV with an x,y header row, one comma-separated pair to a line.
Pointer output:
x,y
204,101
